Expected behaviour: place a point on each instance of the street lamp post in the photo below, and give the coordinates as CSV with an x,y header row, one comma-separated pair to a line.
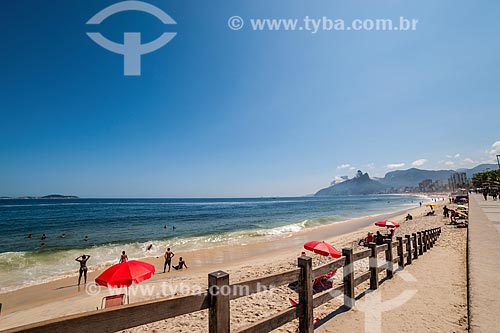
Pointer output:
x,y
498,161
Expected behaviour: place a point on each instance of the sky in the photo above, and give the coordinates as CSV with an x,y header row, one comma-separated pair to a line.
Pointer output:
x,y
218,112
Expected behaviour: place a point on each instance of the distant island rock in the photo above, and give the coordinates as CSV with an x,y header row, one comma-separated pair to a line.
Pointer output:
x,y
50,196
58,196
359,185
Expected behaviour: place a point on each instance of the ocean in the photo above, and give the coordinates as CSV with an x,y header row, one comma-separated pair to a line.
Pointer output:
x,y
113,225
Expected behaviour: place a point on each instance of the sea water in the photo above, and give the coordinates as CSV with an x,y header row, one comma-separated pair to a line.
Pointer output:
x,y
113,225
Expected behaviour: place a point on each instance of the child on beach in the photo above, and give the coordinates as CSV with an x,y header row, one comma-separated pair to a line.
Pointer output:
x,y
83,267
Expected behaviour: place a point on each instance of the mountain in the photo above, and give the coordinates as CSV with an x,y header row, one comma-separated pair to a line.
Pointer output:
x,y
395,181
360,184
413,176
477,169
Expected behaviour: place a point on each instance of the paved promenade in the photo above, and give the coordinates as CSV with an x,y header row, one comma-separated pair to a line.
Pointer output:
x,y
484,264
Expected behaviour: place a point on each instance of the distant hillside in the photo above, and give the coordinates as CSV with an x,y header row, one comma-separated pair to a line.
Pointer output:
x,y
360,184
394,181
413,176
479,168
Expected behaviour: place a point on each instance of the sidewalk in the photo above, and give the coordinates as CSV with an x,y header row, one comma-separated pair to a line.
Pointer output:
x,y
484,264
430,295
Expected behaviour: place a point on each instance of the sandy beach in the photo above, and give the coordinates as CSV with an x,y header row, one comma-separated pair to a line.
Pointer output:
x,y
242,262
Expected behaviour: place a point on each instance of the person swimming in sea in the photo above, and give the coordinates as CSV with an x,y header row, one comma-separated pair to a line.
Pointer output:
x,y
44,237
30,236
83,267
86,238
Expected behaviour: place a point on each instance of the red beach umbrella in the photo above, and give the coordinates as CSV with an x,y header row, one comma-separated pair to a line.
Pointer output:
x,y
322,248
123,274
387,223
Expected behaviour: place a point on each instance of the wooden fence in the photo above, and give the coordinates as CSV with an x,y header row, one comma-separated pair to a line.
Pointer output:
x,y
219,294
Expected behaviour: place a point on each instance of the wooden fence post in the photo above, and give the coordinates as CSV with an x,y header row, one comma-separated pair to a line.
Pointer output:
x,y
419,240
431,238
388,258
401,261
415,248
408,249
373,262
424,240
218,313
348,278
306,320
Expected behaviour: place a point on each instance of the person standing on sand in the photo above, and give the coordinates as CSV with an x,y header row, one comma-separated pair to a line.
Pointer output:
x,y
123,257
446,211
83,267
168,259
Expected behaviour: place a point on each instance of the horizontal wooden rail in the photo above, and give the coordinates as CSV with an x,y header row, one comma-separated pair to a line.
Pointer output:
x,y
362,278
250,287
329,267
120,318
361,254
327,296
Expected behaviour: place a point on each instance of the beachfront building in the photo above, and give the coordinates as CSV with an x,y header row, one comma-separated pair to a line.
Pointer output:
x,y
458,180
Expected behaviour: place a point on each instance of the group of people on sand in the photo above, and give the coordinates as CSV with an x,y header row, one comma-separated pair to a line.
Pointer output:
x,y
377,238
124,258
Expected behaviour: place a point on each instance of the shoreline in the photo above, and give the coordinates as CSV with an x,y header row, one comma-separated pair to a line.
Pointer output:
x,y
280,254
248,241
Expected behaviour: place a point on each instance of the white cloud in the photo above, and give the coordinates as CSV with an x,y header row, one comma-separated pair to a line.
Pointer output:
x,y
395,165
344,166
495,149
419,162
352,168
457,155
469,160
449,163
370,165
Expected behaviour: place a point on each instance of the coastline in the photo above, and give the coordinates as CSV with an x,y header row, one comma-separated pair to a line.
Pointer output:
x,y
63,297
102,255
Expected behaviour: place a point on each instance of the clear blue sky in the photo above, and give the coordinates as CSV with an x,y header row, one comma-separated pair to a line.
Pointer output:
x,y
224,113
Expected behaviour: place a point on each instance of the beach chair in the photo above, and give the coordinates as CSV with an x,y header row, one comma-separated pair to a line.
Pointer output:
x,y
113,300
